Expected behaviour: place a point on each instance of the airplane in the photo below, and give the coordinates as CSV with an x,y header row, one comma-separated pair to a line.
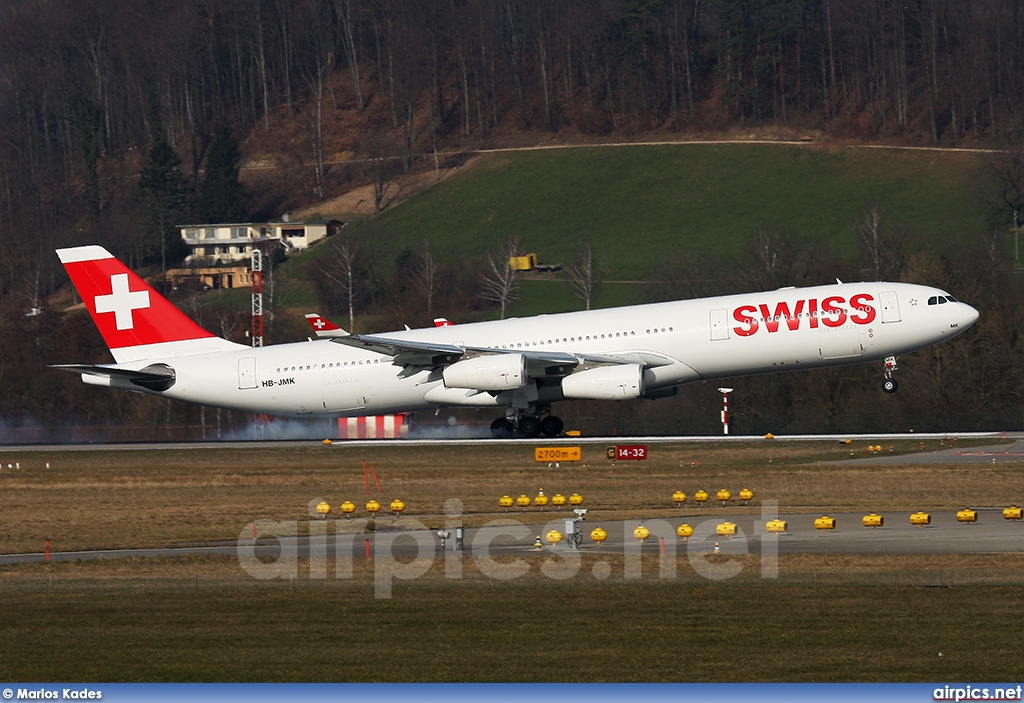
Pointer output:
x,y
520,365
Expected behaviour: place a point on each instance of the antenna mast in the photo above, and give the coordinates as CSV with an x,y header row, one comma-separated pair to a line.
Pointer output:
x,y
257,297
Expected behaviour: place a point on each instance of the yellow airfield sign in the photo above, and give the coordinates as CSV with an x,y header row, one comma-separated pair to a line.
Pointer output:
x,y
557,454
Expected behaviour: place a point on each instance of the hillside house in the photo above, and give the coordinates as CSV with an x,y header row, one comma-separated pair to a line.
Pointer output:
x,y
220,244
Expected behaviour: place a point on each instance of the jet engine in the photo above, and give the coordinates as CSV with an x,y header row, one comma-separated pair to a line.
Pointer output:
x,y
605,383
497,372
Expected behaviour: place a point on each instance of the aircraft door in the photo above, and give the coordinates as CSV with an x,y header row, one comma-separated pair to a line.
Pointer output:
x,y
719,324
247,373
890,306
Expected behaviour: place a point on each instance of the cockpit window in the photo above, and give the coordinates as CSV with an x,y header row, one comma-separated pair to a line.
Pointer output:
x,y
941,300
933,300
952,299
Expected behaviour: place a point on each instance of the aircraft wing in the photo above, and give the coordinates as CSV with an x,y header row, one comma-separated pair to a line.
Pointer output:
x,y
414,353
406,352
648,360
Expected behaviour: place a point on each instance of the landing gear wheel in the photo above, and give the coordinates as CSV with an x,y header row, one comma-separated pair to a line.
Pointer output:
x,y
502,428
552,426
889,385
529,426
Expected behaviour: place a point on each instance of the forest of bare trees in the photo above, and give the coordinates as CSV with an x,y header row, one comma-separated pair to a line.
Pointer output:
x,y
84,83
92,90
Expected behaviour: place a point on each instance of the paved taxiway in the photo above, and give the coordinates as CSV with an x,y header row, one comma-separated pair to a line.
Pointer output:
x,y
945,535
996,454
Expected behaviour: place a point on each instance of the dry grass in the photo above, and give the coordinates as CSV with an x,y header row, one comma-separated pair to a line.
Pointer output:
x,y
196,620
100,499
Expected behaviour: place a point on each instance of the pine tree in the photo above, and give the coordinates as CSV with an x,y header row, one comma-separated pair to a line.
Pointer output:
x,y
222,197
163,196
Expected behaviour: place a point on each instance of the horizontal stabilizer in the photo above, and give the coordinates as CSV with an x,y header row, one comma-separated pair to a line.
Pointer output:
x,y
155,377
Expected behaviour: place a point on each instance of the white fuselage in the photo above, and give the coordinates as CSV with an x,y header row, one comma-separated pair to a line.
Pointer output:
x,y
708,338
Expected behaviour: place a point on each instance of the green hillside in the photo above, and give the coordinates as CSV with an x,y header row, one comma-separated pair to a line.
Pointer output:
x,y
638,205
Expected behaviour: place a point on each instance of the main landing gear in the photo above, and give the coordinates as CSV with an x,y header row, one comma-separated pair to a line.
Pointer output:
x,y
527,426
889,384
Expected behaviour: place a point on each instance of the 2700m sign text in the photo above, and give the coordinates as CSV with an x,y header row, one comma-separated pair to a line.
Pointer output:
x,y
557,454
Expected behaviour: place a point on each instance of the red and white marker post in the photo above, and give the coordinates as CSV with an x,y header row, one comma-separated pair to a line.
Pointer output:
x,y
725,408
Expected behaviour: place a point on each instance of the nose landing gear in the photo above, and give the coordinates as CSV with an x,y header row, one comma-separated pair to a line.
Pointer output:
x,y
889,384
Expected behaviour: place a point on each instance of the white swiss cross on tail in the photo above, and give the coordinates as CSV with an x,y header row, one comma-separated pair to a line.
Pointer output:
x,y
144,324
122,301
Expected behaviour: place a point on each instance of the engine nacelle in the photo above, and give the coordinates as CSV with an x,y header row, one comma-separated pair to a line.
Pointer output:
x,y
605,383
497,372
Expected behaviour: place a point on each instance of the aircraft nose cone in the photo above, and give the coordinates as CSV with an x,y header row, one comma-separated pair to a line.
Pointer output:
x,y
970,316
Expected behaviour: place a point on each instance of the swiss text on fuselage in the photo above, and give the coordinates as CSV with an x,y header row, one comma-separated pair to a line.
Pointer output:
x,y
829,312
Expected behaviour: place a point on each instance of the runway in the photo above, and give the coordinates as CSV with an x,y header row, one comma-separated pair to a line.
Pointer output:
x,y
490,441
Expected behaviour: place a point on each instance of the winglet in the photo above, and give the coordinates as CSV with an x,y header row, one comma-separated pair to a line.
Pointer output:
x,y
324,327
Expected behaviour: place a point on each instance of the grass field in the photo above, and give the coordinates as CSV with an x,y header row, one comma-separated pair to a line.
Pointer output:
x,y
98,499
642,207
639,205
825,618
192,621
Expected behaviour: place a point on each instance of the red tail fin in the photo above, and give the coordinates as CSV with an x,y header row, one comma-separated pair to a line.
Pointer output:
x,y
127,311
